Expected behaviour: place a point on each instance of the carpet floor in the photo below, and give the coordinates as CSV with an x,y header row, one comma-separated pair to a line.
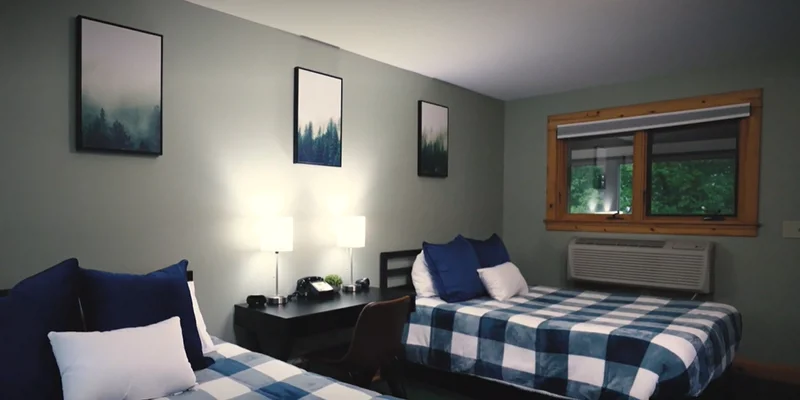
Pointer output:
x,y
744,388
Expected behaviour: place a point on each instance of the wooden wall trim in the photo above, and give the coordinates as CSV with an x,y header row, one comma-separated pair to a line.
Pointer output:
x,y
552,175
744,224
752,96
660,228
639,202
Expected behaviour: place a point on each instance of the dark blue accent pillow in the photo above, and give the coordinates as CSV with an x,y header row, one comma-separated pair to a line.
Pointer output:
x,y
454,270
491,252
43,303
114,301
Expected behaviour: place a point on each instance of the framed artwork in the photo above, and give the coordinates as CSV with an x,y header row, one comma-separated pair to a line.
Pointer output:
x,y
317,118
433,131
119,89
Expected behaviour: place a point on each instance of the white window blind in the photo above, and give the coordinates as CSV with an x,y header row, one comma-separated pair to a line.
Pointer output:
x,y
652,121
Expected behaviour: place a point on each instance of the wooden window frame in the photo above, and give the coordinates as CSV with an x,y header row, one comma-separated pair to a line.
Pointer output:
x,y
745,223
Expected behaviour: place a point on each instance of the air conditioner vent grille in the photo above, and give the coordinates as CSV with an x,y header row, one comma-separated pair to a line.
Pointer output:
x,y
661,266
653,244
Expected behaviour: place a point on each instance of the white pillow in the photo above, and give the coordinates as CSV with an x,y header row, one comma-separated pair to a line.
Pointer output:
x,y
205,338
503,281
421,277
131,363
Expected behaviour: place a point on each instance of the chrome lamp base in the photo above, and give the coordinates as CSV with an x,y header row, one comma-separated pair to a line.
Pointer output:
x,y
351,288
276,300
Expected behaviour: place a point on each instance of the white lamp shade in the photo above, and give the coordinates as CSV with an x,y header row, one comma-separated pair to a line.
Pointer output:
x,y
278,235
352,232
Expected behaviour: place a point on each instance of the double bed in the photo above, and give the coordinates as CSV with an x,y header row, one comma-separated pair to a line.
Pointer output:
x,y
573,343
238,373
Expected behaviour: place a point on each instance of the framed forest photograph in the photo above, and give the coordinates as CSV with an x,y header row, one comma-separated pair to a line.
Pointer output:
x,y
119,89
433,131
317,118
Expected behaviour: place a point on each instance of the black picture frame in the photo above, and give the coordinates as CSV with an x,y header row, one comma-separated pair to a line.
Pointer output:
x,y
302,140
431,162
118,140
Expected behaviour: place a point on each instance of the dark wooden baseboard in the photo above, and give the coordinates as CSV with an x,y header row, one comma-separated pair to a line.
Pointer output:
x,y
768,372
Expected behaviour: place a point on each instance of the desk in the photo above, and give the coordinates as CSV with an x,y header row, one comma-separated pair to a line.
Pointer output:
x,y
271,330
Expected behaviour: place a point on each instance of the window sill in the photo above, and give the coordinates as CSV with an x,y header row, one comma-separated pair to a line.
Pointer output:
x,y
701,228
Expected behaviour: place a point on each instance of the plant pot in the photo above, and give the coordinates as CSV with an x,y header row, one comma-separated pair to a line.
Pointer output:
x,y
336,288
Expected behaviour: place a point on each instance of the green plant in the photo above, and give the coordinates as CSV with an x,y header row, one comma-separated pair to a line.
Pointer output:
x,y
333,280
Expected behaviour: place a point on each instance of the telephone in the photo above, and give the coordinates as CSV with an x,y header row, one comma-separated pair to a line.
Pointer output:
x,y
363,283
313,286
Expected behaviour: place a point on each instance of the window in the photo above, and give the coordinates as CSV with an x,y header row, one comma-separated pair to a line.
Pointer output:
x,y
688,166
598,184
692,170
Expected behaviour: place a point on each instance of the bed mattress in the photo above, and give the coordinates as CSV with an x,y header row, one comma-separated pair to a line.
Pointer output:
x,y
243,375
579,344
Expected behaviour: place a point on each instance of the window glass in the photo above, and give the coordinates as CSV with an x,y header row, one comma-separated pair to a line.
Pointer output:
x,y
692,169
600,174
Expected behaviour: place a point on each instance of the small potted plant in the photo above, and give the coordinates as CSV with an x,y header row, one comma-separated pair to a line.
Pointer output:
x,y
335,281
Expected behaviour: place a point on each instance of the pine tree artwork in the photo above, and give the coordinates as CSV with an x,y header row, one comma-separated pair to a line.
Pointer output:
x,y
433,135
317,118
119,89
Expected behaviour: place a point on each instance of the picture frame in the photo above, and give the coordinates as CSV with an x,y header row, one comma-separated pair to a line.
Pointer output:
x,y
433,137
318,103
119,89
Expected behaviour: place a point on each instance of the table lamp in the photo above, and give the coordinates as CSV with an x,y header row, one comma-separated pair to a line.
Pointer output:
x,y
352,235
278,237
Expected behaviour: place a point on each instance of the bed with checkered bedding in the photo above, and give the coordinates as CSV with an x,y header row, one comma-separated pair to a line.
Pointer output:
x,y
579,344
243,375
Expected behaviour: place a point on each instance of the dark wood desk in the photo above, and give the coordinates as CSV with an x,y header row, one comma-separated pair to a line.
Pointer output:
x,y
272,330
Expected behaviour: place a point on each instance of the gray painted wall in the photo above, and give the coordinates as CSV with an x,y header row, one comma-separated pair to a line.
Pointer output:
x,y
758,275
228,105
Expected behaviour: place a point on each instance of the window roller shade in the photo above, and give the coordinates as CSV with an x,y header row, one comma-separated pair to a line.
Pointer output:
x,y
652,121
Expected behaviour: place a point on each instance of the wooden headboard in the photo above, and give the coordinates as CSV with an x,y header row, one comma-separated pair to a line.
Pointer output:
x,y
189,277
402,256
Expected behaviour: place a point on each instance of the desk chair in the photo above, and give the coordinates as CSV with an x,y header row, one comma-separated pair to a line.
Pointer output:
x,y
376,345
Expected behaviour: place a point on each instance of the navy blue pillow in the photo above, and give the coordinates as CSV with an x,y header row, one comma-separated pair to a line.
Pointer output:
x,y
454,270
491,252
45,302
114,301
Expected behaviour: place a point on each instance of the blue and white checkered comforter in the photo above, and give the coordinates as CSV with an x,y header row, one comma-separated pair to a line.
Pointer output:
x,y
579,344
242,375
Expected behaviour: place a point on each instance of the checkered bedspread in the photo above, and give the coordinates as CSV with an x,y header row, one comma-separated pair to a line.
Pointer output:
x,y
242,375
579,344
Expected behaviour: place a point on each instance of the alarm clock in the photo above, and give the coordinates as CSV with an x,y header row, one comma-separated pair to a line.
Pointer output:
x,y
256,301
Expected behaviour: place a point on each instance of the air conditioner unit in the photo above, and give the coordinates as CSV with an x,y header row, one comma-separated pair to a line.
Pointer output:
x,y
663,264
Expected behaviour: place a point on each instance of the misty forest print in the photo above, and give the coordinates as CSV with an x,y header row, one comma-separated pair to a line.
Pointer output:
x,y
318,118
433,134
120,89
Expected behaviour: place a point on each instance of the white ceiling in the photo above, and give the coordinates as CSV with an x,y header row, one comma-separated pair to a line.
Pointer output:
x,y
512,49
